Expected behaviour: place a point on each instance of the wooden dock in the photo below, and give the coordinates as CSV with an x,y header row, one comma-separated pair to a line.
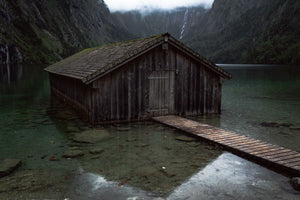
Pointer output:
x,y
277,158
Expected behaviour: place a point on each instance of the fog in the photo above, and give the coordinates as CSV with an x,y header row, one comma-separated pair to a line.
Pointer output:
x,y
148,5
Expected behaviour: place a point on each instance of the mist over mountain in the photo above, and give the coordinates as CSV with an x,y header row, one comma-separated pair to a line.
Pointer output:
x,y
177,21
154,5
231,31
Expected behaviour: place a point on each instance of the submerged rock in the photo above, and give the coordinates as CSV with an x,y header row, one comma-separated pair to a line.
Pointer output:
x,y
169,171
73,153
131,139
270,124
71,129
31,182
286,124
95,157
53,158
275,124
147,172
295,182
295,127
91,136
74,148
123,129
7,166
96,151
185,138
283,133
141,145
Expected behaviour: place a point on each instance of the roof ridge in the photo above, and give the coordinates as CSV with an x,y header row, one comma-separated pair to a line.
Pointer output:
x,y
122,42
103,59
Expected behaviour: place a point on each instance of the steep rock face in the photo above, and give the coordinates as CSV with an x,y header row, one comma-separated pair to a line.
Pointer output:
x,y
177,22
250,31
10,54
225,12
229,29
280,42
44,31
232,31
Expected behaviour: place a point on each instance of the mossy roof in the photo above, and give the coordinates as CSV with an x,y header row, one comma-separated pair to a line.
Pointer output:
x,y
91,63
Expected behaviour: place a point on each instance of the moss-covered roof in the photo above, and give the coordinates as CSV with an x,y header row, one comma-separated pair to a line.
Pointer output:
x,y
90,63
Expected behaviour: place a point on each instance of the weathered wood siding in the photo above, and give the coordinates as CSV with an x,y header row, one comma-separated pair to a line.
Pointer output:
x,y
124,93
198,89
161,92
73,91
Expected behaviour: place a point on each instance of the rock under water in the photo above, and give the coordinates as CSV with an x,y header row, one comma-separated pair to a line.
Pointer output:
x,y
91,136
7,166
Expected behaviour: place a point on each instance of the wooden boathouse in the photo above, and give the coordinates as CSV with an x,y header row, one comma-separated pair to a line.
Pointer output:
x,y
139,79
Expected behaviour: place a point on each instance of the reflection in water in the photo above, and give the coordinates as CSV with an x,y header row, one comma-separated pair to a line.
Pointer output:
x,y
10,73
94,186
144,155
144,159
231,177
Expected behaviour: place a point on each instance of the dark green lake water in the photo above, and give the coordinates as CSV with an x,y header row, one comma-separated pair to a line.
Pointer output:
x,y
145,160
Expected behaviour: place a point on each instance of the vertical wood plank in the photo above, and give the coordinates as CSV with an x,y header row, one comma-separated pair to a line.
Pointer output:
x,y
171,89
140,96
117,96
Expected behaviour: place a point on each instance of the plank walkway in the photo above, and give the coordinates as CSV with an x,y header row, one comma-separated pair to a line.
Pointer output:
x,y
274,157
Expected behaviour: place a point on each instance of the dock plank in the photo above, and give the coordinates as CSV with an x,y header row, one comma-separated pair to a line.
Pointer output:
x,y
274,151
293,160
288,156
276,157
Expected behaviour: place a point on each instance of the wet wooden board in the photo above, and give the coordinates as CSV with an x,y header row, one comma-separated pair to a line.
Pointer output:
x,y
275,157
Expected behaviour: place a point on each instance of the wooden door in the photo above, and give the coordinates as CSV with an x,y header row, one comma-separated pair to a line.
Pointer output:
x,y
161,93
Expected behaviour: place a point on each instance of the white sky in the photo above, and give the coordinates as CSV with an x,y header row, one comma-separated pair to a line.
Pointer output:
x,y
125,5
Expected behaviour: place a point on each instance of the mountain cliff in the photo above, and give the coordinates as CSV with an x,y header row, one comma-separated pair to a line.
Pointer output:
x,y
232,31
280,41
43,31
251,31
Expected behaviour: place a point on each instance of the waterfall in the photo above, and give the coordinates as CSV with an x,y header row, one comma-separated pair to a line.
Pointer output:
x,y
8,73
7,64
185,18
7,54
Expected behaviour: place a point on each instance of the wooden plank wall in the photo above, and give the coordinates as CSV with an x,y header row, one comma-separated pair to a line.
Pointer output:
x,y
161,92
198,89
73,91
124,93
